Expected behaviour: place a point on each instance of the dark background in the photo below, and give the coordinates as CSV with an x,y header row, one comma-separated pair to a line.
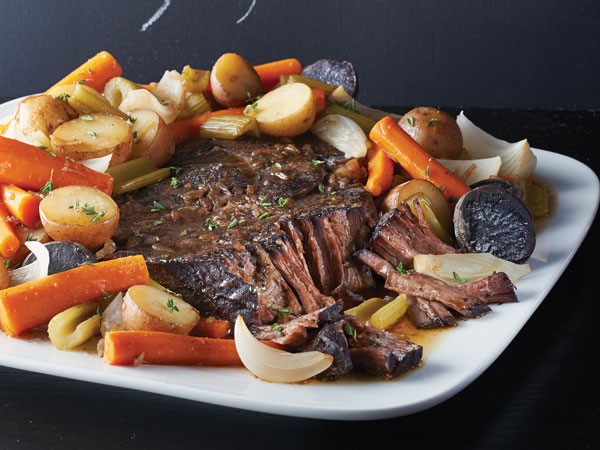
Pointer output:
x,y
461,53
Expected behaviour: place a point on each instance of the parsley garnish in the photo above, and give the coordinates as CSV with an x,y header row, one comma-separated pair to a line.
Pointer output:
x,y
431,121
30,237
264,203
183,233
81,81
47,188
64,96
427,172
158,222
233,223
281,202
92,133
278,165
322,188
135,137
281,312
88,210
132,119
411,121
174,182
106,294
317,162
264,215
400,268
458,278
277,328
87,117
156,206
176,170
350,331
7,263
43,147
172,306
211,225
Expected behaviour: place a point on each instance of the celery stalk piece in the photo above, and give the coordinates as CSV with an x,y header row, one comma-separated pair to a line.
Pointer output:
x,y
228,127
328,88
366,309
117,89
364,122
131,169
388,315
86,100
141,181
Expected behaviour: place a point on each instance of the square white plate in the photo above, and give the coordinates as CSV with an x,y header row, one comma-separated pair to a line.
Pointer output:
x,y
454,362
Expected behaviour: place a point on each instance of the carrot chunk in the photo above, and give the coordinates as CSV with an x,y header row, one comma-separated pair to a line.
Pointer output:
x,y
95,72
270,72
380,168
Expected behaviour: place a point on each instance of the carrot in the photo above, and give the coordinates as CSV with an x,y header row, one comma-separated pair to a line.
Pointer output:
x,y
158,347
9,242
211,327
270,72
31,167
320,98
380,169
415,159
24,205
95,72
34,303
189,129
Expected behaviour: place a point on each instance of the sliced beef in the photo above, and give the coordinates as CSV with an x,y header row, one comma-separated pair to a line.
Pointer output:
x,y
400,235
332,339
429,313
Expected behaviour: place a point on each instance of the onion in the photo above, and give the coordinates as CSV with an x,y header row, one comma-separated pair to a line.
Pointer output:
x,y
97,164
112,319
35,270
167,100
518,161
271,364
343,133
473,170
467,267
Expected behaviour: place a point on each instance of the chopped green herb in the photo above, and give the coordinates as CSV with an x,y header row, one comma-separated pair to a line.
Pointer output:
x,y
81,81
156,206
400,268
89,71
277,328
350,331
51,154
264,203
30,237
452,199
175,170
158,222
86,117
278,165
427,172
183,233
106,294
135,137
43,147
132,119
317,162
7,263
281,202
211,225
233,223
411,121
64,96
92,133
458,278
322,188
99,311
432,121
281,312
47,188
350,106
264,215
174,182
172,306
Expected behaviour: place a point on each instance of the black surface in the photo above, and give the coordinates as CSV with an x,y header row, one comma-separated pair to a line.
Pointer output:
x,y
509,53
541,393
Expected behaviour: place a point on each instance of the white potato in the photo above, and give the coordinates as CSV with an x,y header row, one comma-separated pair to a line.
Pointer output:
x,y
146,307
79,213
288,110
152,137
42,113
93,136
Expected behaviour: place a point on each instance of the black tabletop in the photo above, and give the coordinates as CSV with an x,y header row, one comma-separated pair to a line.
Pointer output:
x,y
541,393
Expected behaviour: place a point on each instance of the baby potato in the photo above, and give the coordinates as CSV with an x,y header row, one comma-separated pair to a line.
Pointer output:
x,y
79,213
289,110
42,113
93,136
153,137
435,130
233,81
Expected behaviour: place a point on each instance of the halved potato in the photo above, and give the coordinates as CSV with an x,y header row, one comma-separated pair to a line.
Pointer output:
x,y
42,113
93,136
152,137
288,110
146,307
233,80
79,213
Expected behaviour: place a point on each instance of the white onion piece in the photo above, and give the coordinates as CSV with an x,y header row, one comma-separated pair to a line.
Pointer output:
x,y
167,100
343,133
271,364
35,270
467,266
97,164
473,170
518,160
112,319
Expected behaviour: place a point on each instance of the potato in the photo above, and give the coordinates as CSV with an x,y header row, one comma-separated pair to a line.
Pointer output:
x,y
149,308
435,130
426,189
233,81
152,137
94,136
288,110
42,113
79,213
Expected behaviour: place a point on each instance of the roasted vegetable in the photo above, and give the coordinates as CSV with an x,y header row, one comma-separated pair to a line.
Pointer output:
x,y
233,81
152,137
337,73
435,130
490,219
74,326
42,113
64,255
342,133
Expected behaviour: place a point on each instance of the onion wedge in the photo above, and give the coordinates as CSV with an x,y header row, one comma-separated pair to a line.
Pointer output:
x,y
36,270
271,364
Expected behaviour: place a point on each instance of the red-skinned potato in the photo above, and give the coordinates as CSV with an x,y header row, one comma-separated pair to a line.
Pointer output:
x,y
153,137
233,81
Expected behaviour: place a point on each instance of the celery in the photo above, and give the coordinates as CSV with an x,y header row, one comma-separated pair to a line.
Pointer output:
x,y
131,169
537,198
117,89
86,100
388,315
194,105
364,122
141,181
310,82
366,309
195,80
229,127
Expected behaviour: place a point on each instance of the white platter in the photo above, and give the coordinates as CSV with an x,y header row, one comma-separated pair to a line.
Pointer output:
x,y
455,361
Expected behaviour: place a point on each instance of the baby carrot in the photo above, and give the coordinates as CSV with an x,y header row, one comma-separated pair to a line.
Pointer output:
x,y
24,205
31,167
211,327
380,168
34,303
9,242
158,347
270,72
95,72
415,159
185,130
320,98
